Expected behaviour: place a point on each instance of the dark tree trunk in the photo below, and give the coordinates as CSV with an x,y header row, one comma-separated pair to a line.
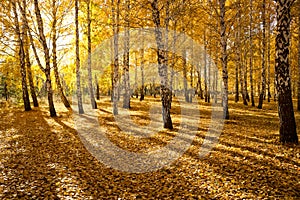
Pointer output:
x,y
97,88
288,133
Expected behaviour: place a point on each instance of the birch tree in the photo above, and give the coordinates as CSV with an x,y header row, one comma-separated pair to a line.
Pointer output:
x,y
288,133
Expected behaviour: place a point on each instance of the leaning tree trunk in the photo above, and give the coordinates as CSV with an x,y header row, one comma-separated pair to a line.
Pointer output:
x,y
224,59
162,68
28,67
78,84
263,65
288,133
47,58
54,58
22,60
90,77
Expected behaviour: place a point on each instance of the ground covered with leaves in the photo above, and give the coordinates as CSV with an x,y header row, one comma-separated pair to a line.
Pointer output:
x,y
43,157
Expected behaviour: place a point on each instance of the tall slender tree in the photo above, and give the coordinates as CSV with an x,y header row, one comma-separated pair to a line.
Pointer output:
x,y
47,69
116,19
54,56
78,84
288,133
21,57
224,59
90,76
28,66
162,67
263,60
126,81
251,55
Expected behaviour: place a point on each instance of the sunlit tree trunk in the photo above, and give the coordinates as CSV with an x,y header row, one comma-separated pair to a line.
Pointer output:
x,y
288,133
90,76
116,18
263,65
54,57
47,58
21,55
126,99
162,67
224,59
78,84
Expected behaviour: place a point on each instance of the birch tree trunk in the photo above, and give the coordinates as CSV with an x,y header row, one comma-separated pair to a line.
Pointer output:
x,y
142,97
224,59
54,57
90,76
126,98
162,68
263,64
21,55
116,17
251,55
288,133
28,68
237,93
47,58
269,57
78,84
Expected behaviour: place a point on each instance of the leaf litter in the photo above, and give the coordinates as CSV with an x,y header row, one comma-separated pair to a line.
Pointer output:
x,y
44,158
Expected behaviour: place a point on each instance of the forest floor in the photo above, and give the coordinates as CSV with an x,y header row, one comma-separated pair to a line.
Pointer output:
x,y
44,158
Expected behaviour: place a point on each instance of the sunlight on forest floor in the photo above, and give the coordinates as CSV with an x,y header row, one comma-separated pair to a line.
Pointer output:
x,y
44,158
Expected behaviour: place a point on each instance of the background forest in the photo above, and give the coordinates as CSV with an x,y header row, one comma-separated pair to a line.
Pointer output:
x,y
242,56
